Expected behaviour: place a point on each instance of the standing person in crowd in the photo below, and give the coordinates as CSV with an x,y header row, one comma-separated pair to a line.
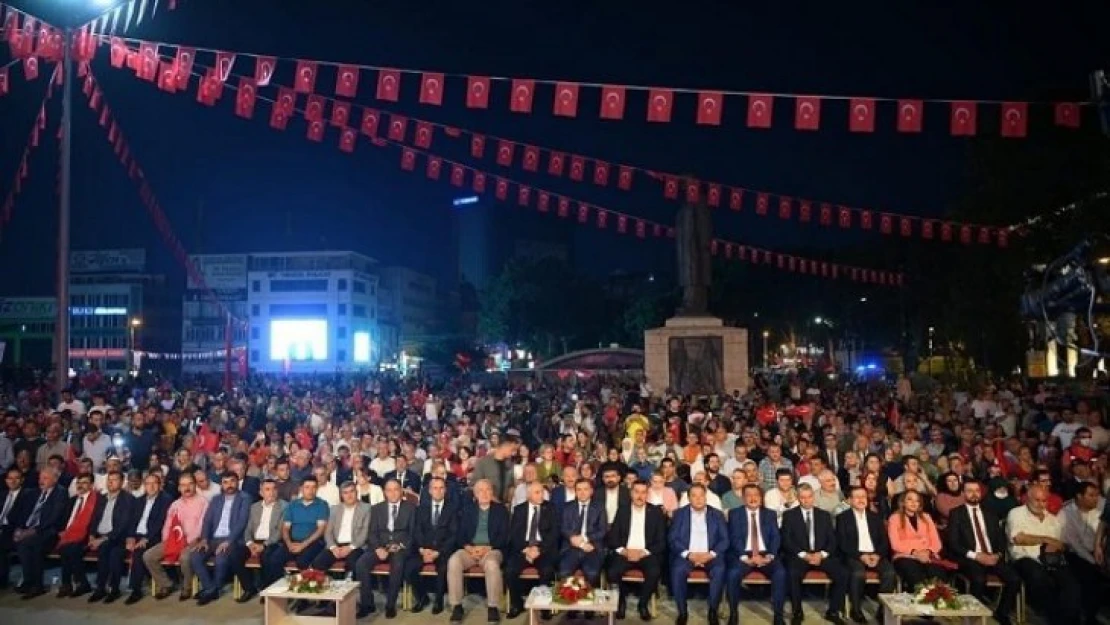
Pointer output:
x,y
583,530
637,540
261,538
496,467
482,538
754,541
809,543
433,542
39,533
533,543
391,527
861,539
977,542
699,541
1037,552
188,514
150,518
302,532
1080,519
111,524
73,542
221,538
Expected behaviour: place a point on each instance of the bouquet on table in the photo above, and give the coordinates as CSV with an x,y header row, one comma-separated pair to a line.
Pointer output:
x,y
309,581
572,590
938,595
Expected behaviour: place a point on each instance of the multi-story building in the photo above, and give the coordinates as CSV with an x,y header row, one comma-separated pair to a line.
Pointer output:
x,y
204,323
409,305
27,331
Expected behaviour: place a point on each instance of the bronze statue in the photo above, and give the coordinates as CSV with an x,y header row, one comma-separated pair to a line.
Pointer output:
x,y
693,233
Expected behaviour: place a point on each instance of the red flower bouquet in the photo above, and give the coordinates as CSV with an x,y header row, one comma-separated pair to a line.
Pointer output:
x,y
309,581
937,594
572,590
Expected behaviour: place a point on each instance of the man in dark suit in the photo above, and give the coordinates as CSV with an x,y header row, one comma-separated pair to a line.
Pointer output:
x,y
563,495
637,539
754,539
39,533
583,530
409,480
433,543
260,538
698,541
976,541
391,527
862,541
809,544
16,502
221,537
613,494
248,484
831,455
453,491
111,524
146,531
482,539
533,542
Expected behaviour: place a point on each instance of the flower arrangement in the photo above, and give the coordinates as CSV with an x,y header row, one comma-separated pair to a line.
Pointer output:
x,y
572,590
309,581
937,594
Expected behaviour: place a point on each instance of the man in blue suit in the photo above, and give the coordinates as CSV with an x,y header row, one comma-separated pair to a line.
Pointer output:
x,y
754,536
698,542
221,536
583,530
563,494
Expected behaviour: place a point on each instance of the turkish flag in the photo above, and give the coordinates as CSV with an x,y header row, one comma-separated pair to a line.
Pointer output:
x,y
263,69
504,153
713,247
807,113
31,67
577,168
314,108
389,85
965,235
905,226
119,52
805,211
761,203
886,224
612,102
760,108
521,99
602,219
148,61
287,101
861,115
340,113
524,195
543,202
583,212
713,195
306,77
531,158
710,106
477,92
984,236
1014,119
927,229
431,88
659,105
408,159
477,146
479,183
601,173
245,98
167,77
844,217
435,164
624,178
224,62
209,90
1066,114
865,219
458,175
184,66
369,125
555,164
641,229
1003,238
397,127
962,122
564,208
346,81
910,115
423,135
785,207
316,130
693,192
946,232
347,139
670,188
735,199
566,99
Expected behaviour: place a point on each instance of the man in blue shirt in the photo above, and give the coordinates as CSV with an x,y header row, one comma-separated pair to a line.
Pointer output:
x,y
302,532
221,537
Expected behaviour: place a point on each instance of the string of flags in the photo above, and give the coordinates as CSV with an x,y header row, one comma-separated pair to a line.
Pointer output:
x,y
660,105
32,40
172,73
22,171
125,16
504,189
212,354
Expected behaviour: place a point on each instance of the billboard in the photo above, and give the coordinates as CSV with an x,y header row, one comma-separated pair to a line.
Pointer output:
x,y
99,261
28,308
225,272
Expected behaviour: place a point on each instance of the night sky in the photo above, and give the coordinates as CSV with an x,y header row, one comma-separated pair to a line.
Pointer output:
x,y
262,190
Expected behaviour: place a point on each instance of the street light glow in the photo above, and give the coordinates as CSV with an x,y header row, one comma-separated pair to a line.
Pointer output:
x,y
863,299
136,322
104,3
818,320
766,334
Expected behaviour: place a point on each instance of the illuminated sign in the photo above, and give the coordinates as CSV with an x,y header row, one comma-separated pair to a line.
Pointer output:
x,y
463,201
98,311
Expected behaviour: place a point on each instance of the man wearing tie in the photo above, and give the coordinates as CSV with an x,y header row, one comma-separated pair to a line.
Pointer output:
x,y
15,504
40,532
863,543
483,537
261,537
583,529
74,539
698,542
533,542
391,525
433,543
221,536
637,539
111,525
755,539
976,541
808,540
149,517
409,480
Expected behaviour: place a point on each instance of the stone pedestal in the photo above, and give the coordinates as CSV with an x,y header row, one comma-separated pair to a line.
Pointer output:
x,y
696,355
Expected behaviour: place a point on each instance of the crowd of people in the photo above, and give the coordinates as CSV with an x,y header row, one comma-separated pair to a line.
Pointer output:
x,y
524,483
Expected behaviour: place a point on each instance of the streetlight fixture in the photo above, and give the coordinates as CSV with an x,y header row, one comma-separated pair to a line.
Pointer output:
x,y
818,320
133,325
863,300
766,334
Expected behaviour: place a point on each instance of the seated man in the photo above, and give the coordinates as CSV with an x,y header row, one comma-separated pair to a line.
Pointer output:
x,y
583,531
808,541
40,532
698,540
533,542
391,523
861,539
754,538
976,541
74,541
150,517
111,524
261,537
1038,555
302,533
1081,519
433,542
637,540
16,500
483,535
348,531
221,537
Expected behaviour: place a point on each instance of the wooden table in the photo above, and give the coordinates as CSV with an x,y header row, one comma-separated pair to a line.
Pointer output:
x,y
344,594
897,606
605,602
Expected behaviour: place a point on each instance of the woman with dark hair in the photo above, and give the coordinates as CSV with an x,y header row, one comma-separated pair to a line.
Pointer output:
x,y
949,495
877,501
914,542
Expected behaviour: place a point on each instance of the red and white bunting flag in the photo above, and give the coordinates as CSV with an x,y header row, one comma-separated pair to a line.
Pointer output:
x,y
760,109
583,212
564,208
577,168
264,70
408,159
622,224
531,159
965,235
31,67
347,139
601,173
861,115
225,61
477,146
279,119
119,52
566,99
843,216
962,122
641,229
905,226
805,211
762,202
807,113
927,227
984,236
693,192
555,164
865,219
504,153
435,164
431,88
520,101
346,81
612,102
397,127
477,92
1066,114
314,108
946,231
479,182
624,178
910,115
713,195
602,219
340,113
670,188
369,124
1003,237
523,195
543,201
458,175
4,81
660,102
711,105
886,223
423,135
316,130
210,88
245,98
735,199
786,207
389,85
1014,120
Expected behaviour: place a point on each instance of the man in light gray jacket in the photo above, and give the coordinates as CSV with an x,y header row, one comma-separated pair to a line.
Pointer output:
x,y
348,531
262,535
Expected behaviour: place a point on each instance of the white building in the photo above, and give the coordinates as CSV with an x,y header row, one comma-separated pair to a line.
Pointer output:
x,y
409,310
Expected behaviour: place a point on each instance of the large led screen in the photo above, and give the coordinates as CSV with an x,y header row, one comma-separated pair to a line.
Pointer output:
x,y
298,339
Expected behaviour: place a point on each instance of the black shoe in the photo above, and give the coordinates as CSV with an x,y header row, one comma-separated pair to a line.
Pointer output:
x,y
205,598
645,613
1005,620
420,604
185,595
33,592
857,616
619,615
734,615
457,614
493,615
545,615
797,616
712,617
133,598
364,612
113,596
247,595
165,592
437,605
834,618
573,615
390,612
681,618
82,590
779,619
64,592
514,611
96,596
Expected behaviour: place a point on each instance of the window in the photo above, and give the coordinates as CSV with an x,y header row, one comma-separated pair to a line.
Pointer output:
x,y
256,286
341,284
341,355
358,310
256,333
359,287
254,355
295,286
362,347
342,310
298,310
341,332
254,310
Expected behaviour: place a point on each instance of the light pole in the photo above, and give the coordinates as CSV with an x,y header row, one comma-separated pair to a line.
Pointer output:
x,y
766,334
61,322
132,327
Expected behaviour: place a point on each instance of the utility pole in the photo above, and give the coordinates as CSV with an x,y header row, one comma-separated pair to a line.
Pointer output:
x,y
61,323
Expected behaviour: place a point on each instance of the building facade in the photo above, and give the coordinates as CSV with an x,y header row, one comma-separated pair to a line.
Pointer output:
x,y
204,325
409,306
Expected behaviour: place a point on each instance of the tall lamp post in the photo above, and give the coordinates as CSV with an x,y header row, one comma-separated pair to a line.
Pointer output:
x,y
132,327
766,335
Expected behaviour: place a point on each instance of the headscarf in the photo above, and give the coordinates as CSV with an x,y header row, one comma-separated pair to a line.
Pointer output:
x,y
1000,506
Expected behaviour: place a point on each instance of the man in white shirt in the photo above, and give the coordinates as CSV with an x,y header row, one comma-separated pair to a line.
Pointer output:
x,y
711,499
326,490
1080,519
1038,555
698,541
637,539
72,404
863,545
348,532
383,463
262,535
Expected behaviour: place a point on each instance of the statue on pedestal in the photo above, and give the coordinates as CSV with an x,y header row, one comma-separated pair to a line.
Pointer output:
x,y
693,234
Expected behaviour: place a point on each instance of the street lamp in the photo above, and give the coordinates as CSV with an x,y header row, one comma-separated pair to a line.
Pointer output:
x,y
818,320
766,334
133,325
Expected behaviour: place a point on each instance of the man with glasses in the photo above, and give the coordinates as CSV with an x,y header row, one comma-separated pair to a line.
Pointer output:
x,y
391,525
111,524
150,517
